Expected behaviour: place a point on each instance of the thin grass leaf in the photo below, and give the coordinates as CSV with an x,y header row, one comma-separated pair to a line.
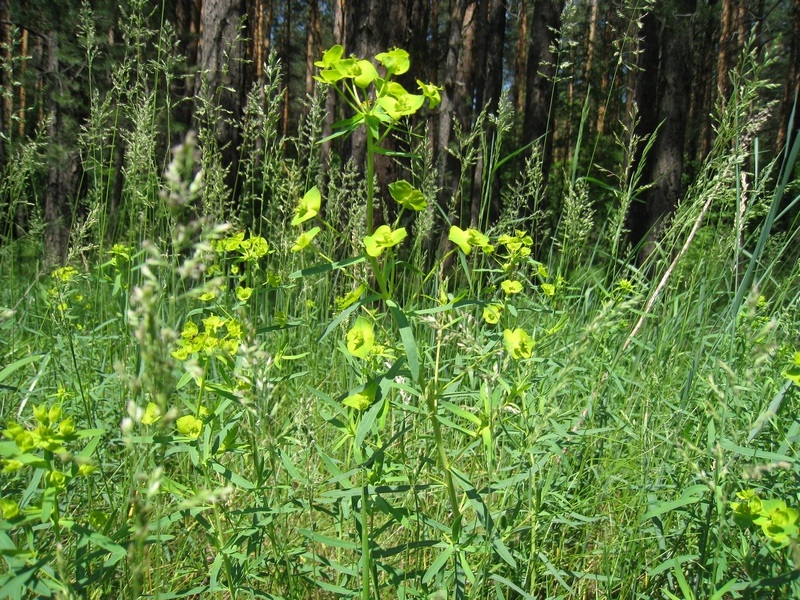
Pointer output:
x,y
407,337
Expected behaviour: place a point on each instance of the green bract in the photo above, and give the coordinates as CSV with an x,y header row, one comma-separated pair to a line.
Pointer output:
x,y
361,400
330,57
778,522
304,239
367,73
151,414
431,92
9,508
350,297
396,61
407,196
383,238
400,106
518,343
308,207
511,287
793,372
492,312
469,238
361,338
190,426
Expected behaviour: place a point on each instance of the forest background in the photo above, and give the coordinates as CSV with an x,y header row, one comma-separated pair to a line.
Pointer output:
x,y
513,315
570,71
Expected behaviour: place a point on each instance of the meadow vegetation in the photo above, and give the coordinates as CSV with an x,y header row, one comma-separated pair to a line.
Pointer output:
x,y
302,395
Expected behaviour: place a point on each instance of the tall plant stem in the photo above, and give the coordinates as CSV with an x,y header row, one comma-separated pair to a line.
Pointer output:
x,y
444,461
370,178
365,553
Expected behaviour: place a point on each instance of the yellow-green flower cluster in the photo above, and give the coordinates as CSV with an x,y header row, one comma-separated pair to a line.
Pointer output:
x,y
219,336
120,255
361,338
50,433
383,238
249,249
189,426
65,274
466,239
778,522
518,343
518,245
50,436
392,100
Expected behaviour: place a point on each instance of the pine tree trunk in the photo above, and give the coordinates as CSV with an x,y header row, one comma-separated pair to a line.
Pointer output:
x,y
540,86
62,175
520,54
5,81
664,104
222,60
791,90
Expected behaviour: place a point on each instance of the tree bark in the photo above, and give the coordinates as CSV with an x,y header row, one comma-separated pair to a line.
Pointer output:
x,y
663,95
222,60
488,87
313,43
540,74
62,175
330,100
520,54
791,89
6,78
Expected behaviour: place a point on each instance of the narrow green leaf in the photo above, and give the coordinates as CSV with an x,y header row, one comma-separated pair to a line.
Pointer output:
x,y
511,585
407,337
438,564
346,313
325,267
328,540
367,421
690,495
234,478
461,412
18,364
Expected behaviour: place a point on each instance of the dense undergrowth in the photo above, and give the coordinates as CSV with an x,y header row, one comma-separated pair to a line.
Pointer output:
x,y
310,406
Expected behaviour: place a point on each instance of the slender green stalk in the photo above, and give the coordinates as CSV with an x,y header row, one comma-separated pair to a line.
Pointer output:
x,y
366,560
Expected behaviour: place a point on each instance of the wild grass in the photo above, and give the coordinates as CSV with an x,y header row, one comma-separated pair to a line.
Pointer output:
x,y
187,413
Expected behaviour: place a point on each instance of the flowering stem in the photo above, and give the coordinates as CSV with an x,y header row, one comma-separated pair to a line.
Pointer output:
x,y
444,462
370,178
365,552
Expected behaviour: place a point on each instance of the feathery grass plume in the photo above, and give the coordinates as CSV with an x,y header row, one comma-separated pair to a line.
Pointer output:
x,y
19,219
575,225
522,201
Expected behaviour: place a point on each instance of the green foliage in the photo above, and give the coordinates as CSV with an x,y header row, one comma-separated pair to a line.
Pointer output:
x,y
298,404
